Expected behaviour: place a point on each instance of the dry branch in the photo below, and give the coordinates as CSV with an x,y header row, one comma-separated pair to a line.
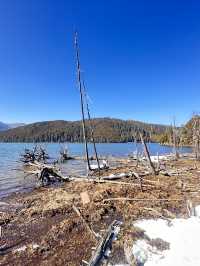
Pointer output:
x,y
84,221
132,199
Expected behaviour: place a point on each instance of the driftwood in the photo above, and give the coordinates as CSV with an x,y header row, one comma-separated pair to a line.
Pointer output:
x,y
116,176
45,172
105,244
64,155
37,154
83,179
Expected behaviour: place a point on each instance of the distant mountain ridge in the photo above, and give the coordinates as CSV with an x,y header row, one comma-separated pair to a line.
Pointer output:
x,y
3,126
105,130
6,126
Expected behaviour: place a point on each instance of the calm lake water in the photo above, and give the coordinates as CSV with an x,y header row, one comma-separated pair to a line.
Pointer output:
x,y
13,180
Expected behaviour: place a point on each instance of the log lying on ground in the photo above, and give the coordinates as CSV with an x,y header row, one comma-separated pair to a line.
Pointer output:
x,y
105,244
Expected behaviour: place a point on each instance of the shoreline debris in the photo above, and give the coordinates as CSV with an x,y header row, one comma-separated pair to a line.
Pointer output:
x,y
102,250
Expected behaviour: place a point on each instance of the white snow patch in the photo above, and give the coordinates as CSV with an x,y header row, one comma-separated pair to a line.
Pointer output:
x,y
144,252
197,211
181,234
102,165
156,158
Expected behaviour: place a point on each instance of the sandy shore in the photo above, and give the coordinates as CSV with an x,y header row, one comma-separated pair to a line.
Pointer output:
x,y
42,228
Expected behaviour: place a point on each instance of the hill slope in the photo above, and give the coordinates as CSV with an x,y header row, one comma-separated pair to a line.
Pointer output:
x,y
106,130
3,126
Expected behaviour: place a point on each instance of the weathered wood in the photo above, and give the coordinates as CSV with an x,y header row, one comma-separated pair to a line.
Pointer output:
x,y
44,172
176,154
107,182
64,155
37,154
104,245
81,98
196,136
148,157
91,129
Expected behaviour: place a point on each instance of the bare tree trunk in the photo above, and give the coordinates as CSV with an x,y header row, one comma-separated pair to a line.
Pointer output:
x,y
196,137
152,167
91,129
81,99
175,141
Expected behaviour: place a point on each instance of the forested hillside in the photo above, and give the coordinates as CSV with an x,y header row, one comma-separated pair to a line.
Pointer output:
x,y
105,130
185,135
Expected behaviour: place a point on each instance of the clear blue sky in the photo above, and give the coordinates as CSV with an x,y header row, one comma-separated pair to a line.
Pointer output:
x,y
141,59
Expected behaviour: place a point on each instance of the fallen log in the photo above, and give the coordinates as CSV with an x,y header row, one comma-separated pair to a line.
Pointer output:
x,y
105,244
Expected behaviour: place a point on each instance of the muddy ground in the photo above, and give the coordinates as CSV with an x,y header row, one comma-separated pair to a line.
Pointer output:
x,y
42,228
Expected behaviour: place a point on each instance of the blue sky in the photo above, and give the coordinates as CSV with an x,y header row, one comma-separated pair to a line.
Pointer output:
x,y
141,59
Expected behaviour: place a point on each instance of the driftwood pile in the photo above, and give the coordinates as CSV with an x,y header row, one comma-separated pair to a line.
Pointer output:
x,y
64,155
37,154
35,162
45,173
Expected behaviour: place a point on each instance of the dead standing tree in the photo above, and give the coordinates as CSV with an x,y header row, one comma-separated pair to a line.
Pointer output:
x,y
81,98
196,136
91,128
175,144
148,157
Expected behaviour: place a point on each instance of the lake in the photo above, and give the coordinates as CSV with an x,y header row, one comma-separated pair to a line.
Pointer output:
x,y
12,179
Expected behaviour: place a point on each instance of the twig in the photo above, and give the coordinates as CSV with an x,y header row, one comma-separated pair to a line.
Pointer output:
x,y
132,199
87,225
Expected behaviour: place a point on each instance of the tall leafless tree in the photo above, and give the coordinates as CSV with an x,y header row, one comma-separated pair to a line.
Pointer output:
x,y
81,98
148,157
175,140
196,136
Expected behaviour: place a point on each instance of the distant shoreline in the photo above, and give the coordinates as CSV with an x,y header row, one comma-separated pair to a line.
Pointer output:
x,y
171,145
